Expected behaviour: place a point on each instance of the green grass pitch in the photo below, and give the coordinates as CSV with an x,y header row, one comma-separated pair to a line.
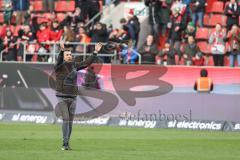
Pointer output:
x,y
43,142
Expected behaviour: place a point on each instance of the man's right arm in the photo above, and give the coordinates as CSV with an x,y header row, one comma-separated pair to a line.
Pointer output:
x,y
84,64
59,60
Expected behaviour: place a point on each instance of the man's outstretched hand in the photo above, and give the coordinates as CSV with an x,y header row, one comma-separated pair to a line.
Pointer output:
x,y
98,47
61,43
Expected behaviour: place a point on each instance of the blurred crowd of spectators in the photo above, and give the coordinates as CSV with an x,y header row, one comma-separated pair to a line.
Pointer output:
x,y
23,24
179,20
173,21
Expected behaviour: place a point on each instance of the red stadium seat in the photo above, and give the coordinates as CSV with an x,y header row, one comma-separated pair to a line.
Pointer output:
x,y
37,5
206,20
1,4
226,61
215,19
2,31
204,47
217,7
1,18
202,33
65,6
224,22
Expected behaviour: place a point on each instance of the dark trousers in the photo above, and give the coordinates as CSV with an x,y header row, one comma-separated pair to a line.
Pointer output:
x,y
218,59
65,110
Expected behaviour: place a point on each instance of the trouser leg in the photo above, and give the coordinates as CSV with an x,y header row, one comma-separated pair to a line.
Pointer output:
x,y
200,19
232,60
215,60
65,132
194,18
238,59
221,60
71,109
66,112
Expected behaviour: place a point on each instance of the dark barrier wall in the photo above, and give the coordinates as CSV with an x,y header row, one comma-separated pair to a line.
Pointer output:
x,y
139,93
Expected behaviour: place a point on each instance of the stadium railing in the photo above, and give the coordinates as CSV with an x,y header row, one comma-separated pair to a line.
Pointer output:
x,y
54,50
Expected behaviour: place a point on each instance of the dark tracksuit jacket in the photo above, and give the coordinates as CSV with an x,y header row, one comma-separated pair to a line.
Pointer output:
x,y
66,75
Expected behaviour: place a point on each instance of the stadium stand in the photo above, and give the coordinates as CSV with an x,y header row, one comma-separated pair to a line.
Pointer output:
x,y
66,15
217,7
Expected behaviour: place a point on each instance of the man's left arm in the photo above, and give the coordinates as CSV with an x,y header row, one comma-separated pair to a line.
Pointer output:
x,y
84,64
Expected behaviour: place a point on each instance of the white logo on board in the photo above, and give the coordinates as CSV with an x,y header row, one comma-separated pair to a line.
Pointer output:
x,y
29,118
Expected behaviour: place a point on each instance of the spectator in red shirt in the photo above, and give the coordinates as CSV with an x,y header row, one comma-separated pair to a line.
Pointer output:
x,y
43,35
55,32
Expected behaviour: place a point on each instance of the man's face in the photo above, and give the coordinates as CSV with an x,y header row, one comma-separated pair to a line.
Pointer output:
x,y
190,28
167,45
26,29
218,27
55,24
149,38
130,16
9,33
42,27
77,11
68,56
190,40
81,30
98,26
